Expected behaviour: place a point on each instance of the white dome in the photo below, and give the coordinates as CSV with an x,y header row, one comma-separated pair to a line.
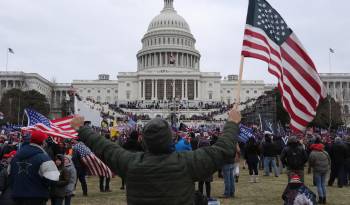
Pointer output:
x,y
168,19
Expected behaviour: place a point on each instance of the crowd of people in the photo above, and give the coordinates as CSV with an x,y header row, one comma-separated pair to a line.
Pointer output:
x,y
36,168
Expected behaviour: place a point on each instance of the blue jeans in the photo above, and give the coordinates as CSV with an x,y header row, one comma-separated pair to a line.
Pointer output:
x,y
321,184
229,179
267,161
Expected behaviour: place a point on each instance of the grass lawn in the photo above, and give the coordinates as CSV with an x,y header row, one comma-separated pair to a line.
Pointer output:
x,y
267,192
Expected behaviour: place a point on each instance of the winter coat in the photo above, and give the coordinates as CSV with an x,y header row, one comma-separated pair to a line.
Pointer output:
x,y
31,172
133,145
319,160
338,153
166,178
270,149
252,153
58,189
182,145
294,147
5,189
72,177
347,158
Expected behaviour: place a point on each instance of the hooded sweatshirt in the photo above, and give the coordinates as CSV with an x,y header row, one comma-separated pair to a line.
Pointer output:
x,y
319,160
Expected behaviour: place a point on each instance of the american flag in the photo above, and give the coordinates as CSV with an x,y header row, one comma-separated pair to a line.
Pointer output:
x,y
58,129
92,162
10,50
268,38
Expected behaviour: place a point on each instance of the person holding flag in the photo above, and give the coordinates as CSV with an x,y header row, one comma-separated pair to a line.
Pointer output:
x,y
146,169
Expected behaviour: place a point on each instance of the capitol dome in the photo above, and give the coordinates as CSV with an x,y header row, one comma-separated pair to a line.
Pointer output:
x,y
169,19
168,43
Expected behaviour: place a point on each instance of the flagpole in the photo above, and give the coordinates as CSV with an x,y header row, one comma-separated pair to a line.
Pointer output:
x,y
240,80
330,97
7,58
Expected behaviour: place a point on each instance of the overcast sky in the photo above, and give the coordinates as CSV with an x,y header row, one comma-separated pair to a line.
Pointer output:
x,y
79,39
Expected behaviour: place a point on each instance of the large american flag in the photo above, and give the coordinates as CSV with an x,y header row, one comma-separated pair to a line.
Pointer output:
x,y
94,164
58,129
268,38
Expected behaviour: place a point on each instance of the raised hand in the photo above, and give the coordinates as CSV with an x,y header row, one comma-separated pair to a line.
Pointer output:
x,y
234,115
77,122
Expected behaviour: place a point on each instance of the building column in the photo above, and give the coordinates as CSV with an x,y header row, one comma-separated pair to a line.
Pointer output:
x,y
152,92
140,89
177,59
161,58
186,89
166,59
156,90
142,62
164,89
192,60
183,89
199,90
182,60
144,90
59,97
53,98
347,91
173,88
195,89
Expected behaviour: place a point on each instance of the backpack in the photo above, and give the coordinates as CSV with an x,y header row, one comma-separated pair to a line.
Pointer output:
x,y
295,158
200,199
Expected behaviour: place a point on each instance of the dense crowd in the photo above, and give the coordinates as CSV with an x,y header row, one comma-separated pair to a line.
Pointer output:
x,y
35,167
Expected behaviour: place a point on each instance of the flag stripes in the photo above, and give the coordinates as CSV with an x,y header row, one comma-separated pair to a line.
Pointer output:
x,y
299,83
58,129
92,162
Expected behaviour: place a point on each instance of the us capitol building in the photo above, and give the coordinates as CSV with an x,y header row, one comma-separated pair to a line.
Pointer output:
x,y
168,68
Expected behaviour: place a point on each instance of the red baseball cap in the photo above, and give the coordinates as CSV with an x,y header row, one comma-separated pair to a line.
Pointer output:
x,y
38,137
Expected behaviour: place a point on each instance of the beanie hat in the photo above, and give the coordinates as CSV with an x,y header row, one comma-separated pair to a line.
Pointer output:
x,y
295,179
38,137
157,137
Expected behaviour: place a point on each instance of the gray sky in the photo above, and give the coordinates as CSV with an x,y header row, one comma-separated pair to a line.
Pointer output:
x,y
78,39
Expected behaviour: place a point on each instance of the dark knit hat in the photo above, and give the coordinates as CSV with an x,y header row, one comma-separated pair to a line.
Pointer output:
x,y
157,137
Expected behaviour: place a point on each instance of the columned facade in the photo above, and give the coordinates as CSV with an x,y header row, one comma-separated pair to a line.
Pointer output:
x,y
168,89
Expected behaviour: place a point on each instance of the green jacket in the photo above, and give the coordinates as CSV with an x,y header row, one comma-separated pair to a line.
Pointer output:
x,y
166,179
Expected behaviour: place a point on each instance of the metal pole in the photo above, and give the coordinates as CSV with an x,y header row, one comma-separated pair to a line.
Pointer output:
x,y
7,59
19,109
330,97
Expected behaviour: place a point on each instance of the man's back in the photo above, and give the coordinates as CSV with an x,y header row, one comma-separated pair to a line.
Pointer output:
x,y
167,178
164,179
294,156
